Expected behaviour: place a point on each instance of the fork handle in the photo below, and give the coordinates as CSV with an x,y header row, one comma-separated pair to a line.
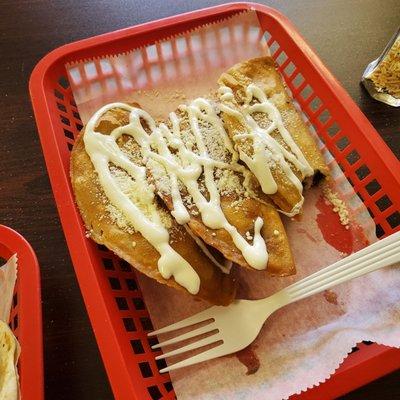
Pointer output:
x,y
383,253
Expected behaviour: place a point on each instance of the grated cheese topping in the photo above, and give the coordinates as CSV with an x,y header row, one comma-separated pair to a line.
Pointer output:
x,y
339,206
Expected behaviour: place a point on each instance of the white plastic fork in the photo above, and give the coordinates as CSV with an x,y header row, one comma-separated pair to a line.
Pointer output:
x,y
237,325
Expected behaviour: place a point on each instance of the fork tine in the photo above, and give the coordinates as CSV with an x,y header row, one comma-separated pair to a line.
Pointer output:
x,y
198,358
194,319
188,335
193,346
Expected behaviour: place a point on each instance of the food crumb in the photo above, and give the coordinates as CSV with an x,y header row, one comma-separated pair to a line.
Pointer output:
x,y
133,244
249,359
276,233
339,206
331,297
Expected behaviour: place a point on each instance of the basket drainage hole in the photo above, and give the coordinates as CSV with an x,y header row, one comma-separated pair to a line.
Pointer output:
x,y
379,231
68,134
152,342
102,247
145,369
137,346
383,203
168,386
122,304
281,58
161,364
108,264
114,283
154,392
289,69
125,267
63,81
298,80
70,146
352,157
373,187
131,283
58,94
267,36
138,303
362,172
333,129
394,219
274,47
315,104
324,117
342,143
146,324
129,324
61,107
65,120
306,92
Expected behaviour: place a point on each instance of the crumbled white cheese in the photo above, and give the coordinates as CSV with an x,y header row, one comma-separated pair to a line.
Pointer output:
x,y
339,206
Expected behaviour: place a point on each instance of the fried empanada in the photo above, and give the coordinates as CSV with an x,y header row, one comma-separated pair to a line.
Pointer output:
x,y
108,225
269,132
194,137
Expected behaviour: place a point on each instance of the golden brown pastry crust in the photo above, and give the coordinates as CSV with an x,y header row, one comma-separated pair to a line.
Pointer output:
x,y
216,287
280,259
241,212
262,72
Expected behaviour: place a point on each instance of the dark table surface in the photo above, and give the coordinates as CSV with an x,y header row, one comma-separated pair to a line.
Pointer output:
x,y
347,35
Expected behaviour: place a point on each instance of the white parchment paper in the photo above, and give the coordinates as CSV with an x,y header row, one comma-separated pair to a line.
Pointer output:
x,y
8,277
302,344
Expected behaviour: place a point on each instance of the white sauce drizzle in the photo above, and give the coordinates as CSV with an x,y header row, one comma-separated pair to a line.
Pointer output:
x,y
266,150
103,150
225,93
184,166
224,268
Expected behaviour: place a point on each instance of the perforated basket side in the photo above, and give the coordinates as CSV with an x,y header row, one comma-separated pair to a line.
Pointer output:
x,y
113,300
345,131
26,313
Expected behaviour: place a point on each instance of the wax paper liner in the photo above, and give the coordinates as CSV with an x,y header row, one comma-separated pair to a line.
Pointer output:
x,y
302,344
8,277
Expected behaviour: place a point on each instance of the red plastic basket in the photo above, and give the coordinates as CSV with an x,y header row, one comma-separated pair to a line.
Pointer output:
x,y
113,299
26,313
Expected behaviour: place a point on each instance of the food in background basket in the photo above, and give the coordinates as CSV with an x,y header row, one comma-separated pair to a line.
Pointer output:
x,y
9,353
175,199
382,76
386,76
9,346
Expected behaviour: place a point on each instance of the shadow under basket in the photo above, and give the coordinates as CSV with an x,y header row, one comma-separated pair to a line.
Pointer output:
x,y
113,299
26,313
